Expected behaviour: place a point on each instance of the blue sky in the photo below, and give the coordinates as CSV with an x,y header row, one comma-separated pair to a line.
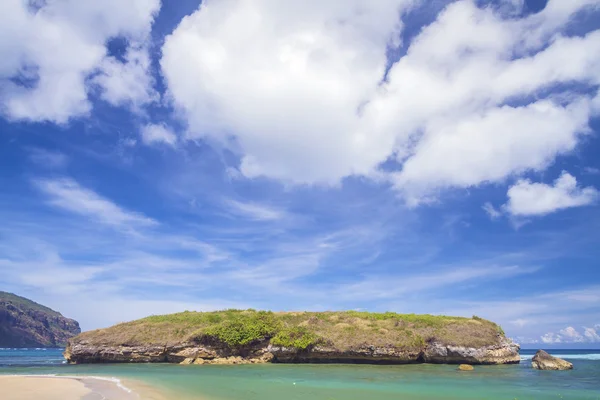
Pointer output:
x,y
410,156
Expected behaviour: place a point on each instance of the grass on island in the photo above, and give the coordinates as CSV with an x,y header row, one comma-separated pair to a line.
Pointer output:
x,y
344,330
23,303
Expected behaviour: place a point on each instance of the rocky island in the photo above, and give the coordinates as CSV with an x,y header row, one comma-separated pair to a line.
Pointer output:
x,y
544,361
24,323
243,337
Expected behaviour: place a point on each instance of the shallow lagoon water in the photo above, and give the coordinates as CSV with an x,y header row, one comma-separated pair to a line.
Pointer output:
x,y
349,382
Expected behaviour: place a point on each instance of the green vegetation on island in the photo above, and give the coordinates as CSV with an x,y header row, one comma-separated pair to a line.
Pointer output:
x,y
343,330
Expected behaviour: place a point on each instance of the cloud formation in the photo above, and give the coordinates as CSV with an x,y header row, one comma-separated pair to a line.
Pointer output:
x,y
68,195
571,335
158,133
253,211
491,211
526,198
303,92
48,50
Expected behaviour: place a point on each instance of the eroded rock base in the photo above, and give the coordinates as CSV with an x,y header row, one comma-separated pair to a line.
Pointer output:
x,y
505,352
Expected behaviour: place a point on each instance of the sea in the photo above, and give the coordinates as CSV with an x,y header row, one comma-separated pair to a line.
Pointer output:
x,y
333,382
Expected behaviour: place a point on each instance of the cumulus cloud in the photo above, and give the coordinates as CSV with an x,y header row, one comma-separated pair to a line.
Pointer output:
x,y
551,338
128,82
286,79
48,50
301,91
530,199
158,133
592,334
571,335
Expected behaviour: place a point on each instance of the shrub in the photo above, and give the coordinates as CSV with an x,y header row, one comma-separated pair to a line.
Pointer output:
x,y
242,329
298,337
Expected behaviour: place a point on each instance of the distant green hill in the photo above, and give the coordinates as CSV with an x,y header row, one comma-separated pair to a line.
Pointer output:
x,y
25,323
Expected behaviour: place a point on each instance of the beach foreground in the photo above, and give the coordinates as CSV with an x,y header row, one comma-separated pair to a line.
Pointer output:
x,y
73,388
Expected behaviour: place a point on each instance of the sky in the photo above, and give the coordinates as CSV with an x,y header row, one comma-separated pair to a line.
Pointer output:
x,y
400,155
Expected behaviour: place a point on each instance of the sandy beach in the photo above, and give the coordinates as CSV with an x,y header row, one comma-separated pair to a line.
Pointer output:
x,y
73,388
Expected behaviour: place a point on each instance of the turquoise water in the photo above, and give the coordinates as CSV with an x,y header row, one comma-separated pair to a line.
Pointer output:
x,y
329,382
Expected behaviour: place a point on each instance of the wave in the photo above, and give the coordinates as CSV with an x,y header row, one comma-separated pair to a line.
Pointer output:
x,y
593,357
31,348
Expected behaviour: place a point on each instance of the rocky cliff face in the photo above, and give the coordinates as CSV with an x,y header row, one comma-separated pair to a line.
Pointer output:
x,y
80,352
24,323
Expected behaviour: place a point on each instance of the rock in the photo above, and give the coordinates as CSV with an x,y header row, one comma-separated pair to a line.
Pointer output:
x,y
83,351
505,352
178,354
187,361
465,367
265,358
229,361
544,361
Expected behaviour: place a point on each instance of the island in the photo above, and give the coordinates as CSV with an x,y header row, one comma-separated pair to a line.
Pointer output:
x,y
249,336
25,323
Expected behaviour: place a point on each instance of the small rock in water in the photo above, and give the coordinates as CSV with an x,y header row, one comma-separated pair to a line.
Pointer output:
x,y
545,361
465,367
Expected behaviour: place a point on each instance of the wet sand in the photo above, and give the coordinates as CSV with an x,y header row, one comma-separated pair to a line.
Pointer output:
x,y
73,388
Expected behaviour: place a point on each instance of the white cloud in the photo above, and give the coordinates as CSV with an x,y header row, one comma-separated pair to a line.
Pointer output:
x,y
61,43
530,199
69,195
491,211
255,211
286,79
298,87
592,334
551,338
516,139
129,82
153,133
571,335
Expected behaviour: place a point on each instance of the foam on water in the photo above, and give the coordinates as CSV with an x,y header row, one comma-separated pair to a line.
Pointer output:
x,y
592,357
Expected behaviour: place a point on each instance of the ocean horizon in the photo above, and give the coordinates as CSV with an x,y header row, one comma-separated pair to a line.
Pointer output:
x,y
333,381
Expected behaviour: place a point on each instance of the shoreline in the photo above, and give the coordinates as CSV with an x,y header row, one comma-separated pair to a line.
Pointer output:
x,y
73,387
